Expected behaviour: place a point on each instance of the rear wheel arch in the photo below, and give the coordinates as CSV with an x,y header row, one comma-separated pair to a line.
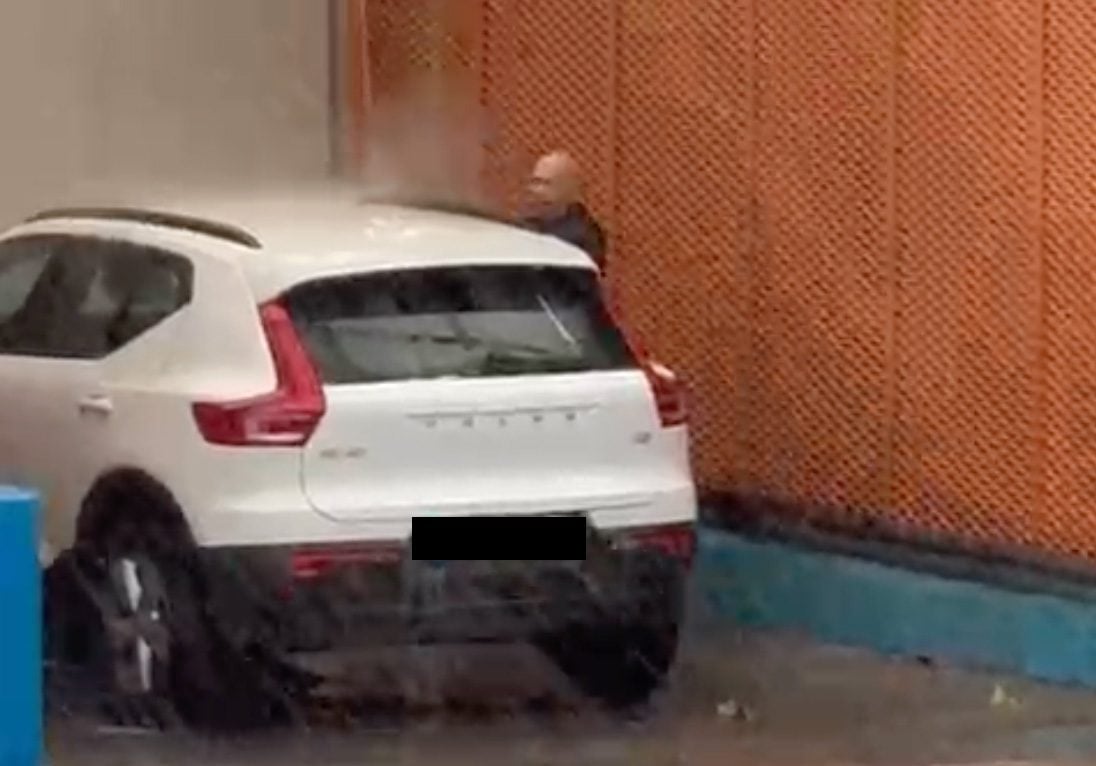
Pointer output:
x,y
127,514
135,496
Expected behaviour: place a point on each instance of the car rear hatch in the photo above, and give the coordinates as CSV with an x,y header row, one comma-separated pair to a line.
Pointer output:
x,y
478,390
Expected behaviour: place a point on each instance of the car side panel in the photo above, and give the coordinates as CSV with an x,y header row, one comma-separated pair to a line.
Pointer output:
x,y
216,352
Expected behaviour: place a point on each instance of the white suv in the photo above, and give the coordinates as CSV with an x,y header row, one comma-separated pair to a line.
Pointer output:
x,y
278,429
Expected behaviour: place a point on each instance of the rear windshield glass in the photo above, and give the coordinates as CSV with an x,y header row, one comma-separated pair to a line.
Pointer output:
x,y
458,322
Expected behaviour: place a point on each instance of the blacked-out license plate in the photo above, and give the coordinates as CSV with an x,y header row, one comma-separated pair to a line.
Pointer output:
x,y
560,537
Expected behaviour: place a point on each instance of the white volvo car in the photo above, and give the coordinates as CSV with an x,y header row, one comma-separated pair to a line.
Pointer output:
x,y
272,430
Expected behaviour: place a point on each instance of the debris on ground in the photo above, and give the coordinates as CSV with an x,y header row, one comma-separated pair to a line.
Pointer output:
x,y
1001,699
733,710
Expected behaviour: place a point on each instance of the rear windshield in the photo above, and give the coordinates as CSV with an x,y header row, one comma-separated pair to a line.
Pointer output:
x,y
457,322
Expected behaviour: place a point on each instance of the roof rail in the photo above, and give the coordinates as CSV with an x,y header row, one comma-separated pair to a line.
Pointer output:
x,y
156,218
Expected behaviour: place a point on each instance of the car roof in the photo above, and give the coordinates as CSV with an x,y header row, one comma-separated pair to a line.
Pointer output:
x,y
283,239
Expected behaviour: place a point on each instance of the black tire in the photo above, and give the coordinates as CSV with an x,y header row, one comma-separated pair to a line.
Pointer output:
x,y
208,683
621,660
68,610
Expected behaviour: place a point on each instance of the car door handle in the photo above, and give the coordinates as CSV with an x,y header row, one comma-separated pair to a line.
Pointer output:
x,y
97,404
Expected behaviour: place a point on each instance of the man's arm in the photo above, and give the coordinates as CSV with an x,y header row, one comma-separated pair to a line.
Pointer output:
x,y
596,243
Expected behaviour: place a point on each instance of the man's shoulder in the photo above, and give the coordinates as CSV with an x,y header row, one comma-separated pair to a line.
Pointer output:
x,y
532,223
578,226
594,241
592,222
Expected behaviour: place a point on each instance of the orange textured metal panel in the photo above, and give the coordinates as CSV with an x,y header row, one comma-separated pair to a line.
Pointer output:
x,y
424,131
861,229
1069,436
968,328
529,113
681,230
823,265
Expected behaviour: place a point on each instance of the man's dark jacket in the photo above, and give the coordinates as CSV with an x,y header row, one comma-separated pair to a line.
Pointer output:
x,y
576,226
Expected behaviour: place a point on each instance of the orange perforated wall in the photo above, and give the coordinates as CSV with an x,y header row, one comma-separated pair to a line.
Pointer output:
x,y
862,229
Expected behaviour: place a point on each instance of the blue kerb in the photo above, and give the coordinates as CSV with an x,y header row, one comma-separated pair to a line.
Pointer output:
x,y
842,600
21,637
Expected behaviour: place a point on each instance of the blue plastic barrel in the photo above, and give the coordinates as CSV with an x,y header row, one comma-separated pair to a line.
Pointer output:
x,y
21,631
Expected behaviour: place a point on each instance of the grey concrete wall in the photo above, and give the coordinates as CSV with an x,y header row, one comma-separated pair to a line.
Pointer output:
x,y
95,91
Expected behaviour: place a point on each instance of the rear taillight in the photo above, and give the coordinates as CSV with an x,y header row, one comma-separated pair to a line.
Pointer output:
x,y
284,418
677,541
669,395
668,391
315,563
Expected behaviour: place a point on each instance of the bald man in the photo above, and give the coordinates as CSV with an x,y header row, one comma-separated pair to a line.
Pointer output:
x,y
557,209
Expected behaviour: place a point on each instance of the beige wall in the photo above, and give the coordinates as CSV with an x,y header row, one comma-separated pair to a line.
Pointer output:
x,y
193,89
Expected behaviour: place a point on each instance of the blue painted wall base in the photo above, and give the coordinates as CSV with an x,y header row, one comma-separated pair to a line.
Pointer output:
x,y
841,600
21,637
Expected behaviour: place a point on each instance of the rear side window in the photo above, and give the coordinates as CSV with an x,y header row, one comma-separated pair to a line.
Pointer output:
x,y
457,322
83,298
132,290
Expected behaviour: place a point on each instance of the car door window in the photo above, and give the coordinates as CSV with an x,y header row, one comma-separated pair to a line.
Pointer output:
x,y
29,301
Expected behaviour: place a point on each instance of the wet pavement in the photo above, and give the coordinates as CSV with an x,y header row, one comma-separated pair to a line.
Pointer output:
x,y
734,698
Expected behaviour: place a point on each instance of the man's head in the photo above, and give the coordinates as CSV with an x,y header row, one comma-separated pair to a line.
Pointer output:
x,y
555,185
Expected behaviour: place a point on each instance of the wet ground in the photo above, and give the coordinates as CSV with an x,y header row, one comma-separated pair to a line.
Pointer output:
x,y
735,699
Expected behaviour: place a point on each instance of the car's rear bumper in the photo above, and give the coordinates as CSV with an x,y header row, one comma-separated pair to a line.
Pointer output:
x,y
255,598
